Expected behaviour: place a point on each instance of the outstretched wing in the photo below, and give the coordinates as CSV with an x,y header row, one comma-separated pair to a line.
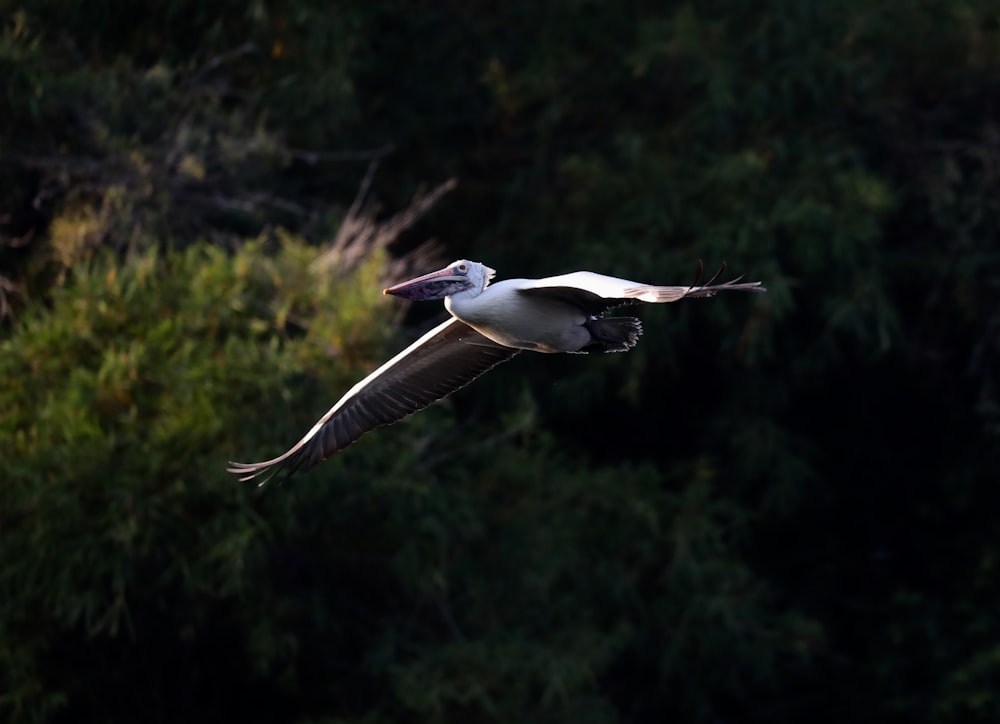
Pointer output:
x,y
594,293
446,358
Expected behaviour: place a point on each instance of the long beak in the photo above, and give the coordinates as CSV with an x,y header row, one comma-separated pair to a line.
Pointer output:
x,y
423,286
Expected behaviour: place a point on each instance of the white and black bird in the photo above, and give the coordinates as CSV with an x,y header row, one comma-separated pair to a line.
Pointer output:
x,y
489,324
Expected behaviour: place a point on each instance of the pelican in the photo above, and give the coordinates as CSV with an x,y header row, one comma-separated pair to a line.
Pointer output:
x,y
489,324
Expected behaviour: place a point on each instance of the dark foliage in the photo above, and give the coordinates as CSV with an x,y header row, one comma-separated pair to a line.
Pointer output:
x,y
780,508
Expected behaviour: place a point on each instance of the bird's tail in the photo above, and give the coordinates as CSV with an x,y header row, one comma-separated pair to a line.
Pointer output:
x,y
612,334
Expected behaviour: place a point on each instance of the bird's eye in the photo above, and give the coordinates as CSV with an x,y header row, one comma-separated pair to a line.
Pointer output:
x,y
463,268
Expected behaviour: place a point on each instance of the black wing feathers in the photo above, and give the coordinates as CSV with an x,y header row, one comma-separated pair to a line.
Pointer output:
x,y
587,302
443,360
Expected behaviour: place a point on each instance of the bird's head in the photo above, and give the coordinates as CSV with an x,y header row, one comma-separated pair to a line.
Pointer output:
x,y
459,276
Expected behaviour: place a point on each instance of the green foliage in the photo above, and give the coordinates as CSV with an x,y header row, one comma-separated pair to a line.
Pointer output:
x,y
168,131
778,508
123,530
129,387
548,576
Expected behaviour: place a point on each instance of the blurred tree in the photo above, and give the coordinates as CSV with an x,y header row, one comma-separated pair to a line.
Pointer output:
x,y
779,510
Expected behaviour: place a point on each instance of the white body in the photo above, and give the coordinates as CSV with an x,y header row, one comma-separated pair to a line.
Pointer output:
x,y
509,318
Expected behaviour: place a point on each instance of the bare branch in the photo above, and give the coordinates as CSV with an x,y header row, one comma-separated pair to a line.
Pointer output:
x,y
360,234
8,290
248,48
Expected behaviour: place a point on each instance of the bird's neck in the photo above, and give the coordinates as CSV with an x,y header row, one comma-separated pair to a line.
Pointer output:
x,y
463,301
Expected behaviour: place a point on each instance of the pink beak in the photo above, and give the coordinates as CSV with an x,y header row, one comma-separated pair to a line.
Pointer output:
x,y
428,286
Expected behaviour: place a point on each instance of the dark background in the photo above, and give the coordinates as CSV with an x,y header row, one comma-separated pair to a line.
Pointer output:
x,y
776,508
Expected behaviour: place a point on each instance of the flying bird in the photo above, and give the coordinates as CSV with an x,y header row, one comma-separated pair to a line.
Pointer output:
x,y
489,324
